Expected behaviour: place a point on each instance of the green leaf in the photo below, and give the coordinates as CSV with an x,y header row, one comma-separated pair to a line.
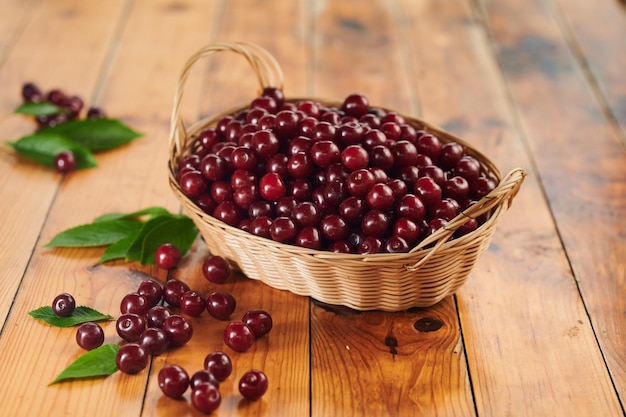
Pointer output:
x,y
95,134
97,362
135,250
95,234
43,147
80,315
180,231
42,108
151,212
117,250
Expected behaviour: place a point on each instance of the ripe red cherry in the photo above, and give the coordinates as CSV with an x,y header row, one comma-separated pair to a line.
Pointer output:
x,y
173,380
272,187
172,290
89,336
134,303
178,330
380,197
219,364
131,358
221,304
167,256
192,303
355,105
325,153
375,223
354,157
309,237
283,229
206,397
238,336
215,269
152,291
265,143
360,182
154,341
259,321
63,305
65,161
427,190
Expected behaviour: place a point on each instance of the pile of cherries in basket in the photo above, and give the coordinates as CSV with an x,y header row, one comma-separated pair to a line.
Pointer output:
x,y
348,179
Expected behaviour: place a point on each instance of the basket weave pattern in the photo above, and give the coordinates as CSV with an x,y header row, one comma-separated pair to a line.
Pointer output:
x,y
431,271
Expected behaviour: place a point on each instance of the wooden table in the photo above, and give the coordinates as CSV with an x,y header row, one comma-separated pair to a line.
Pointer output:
x,y
539,329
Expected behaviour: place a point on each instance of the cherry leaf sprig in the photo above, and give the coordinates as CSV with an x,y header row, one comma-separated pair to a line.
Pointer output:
x,y
82,137
131,236
96,362
80,315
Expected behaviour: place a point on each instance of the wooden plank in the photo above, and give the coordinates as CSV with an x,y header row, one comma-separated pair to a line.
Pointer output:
x,y
359,49
596,31
69,62
515,314
15,15
584,182
139,91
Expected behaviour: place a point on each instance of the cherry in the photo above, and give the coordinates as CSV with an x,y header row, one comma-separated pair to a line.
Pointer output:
x,y
192,303
253,385
283,229
193,183
272,187
360,182
396,244
406,229
203,376
134,303
355,105
380,197
178,330
131,358
155,317
333,227
206,397
63,305
89,335
309,237
151,291
31,92
167,256
215,269
173,380
65,161
221,304
468,167
375,223
219,364
154,341
369,245
325,153
238,336
259,321
306,214
130,326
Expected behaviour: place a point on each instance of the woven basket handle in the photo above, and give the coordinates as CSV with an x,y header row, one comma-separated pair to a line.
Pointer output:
x,y
504,193
266,68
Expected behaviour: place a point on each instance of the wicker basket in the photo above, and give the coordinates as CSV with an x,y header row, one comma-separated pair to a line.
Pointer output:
x,y
434,269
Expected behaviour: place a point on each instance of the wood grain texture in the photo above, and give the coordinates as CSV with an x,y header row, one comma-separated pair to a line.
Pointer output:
x,y
393,364
590,29
588,209
502,304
